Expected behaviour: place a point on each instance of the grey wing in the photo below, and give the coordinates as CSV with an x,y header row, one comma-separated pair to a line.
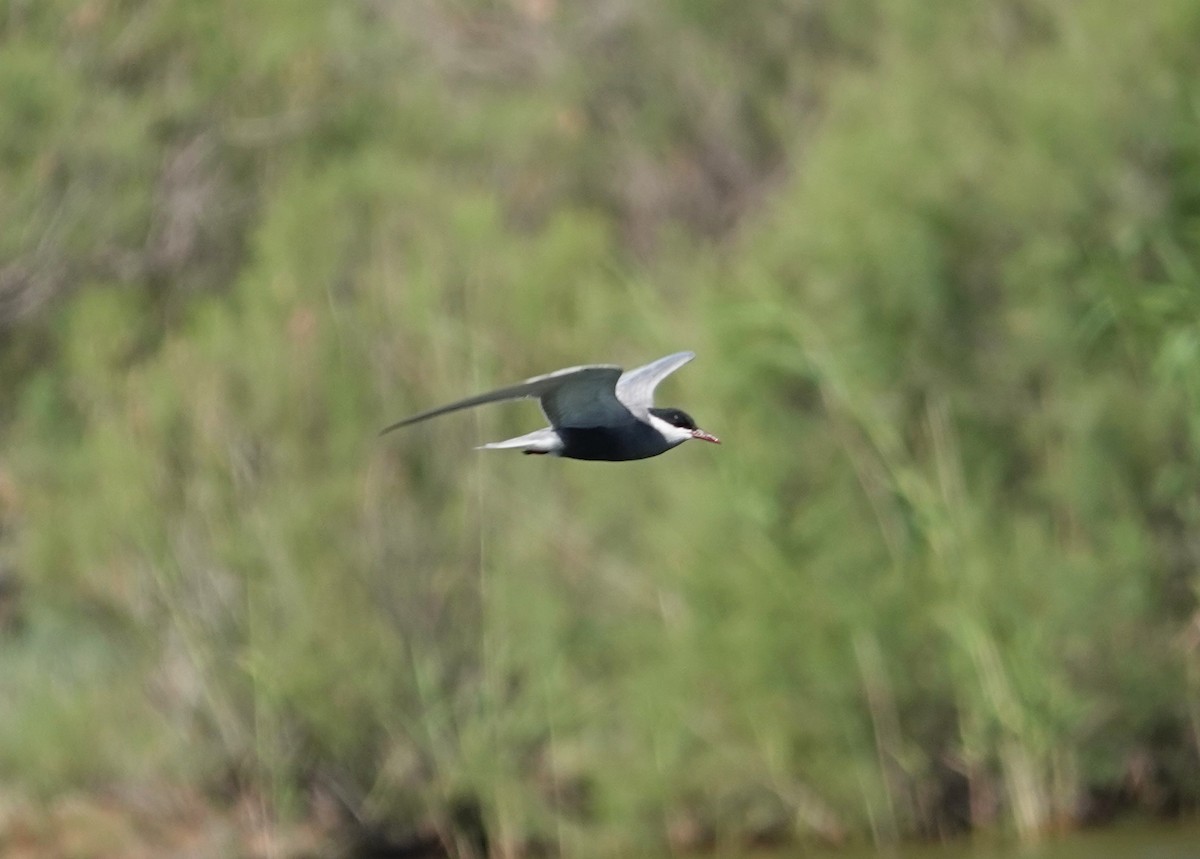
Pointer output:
x,y
585,398
635,388
543,387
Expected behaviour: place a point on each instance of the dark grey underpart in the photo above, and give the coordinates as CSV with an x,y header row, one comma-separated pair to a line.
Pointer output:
x,y
634,440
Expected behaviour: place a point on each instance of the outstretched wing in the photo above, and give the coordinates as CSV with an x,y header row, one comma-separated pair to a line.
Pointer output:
x,y
635,388
562,393
586,398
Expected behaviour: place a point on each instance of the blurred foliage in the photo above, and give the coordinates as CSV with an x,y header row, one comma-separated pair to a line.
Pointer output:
x,y
940,264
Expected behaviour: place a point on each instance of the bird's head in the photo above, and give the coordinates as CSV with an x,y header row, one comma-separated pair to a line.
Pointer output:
x,y
677,426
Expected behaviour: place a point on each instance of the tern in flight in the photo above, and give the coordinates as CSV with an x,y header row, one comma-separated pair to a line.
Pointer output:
x,y
596,411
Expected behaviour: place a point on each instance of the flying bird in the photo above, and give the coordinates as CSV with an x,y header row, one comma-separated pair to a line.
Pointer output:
x,y
596,412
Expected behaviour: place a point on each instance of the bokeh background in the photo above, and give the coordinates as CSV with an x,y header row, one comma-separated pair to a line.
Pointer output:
x,y
940,262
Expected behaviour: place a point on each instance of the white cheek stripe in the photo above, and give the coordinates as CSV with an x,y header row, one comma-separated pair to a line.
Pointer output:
x,y
670,432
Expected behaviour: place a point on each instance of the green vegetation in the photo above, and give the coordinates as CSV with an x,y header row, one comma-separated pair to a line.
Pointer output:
x,y
941,263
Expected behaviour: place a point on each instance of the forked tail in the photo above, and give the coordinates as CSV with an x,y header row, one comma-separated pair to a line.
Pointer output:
x,y
539,441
